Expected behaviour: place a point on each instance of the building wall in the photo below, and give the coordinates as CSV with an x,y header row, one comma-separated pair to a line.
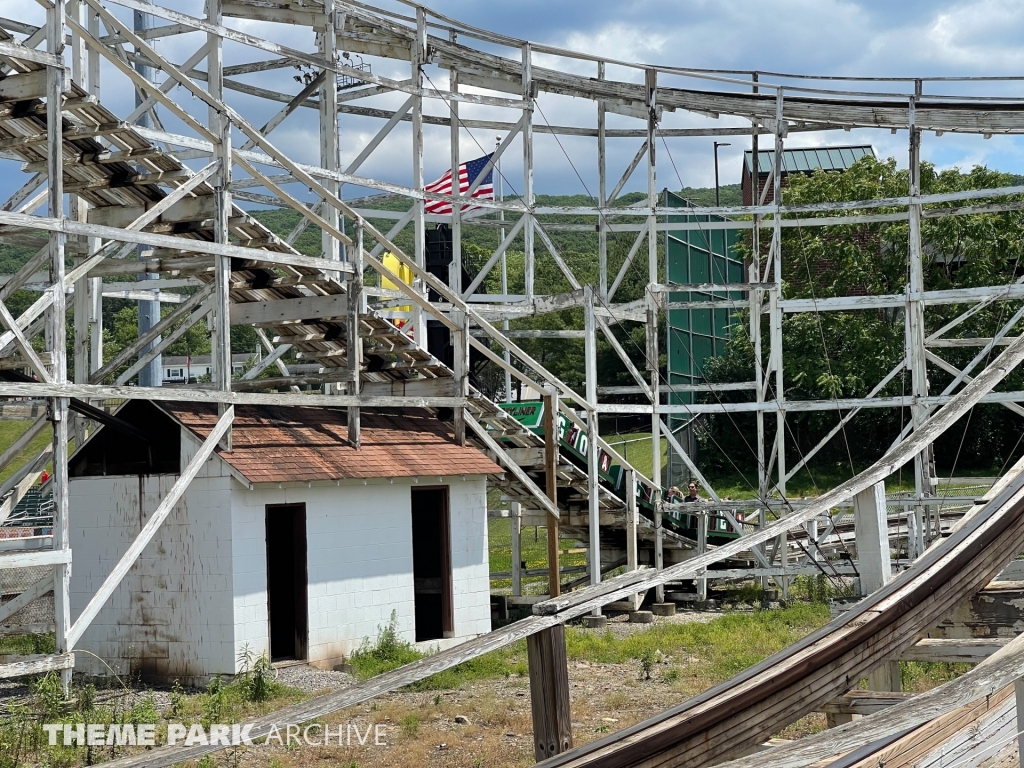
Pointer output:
x,y
359,562
171,615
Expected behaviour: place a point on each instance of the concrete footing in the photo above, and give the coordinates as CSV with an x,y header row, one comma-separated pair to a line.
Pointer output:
x,y
641,617
663,609
595,622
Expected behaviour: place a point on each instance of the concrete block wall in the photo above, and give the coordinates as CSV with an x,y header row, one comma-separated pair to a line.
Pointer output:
x,y
359,565
359,562
470,562
170,617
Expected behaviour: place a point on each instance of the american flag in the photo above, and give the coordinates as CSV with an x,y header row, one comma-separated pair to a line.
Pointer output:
x,y
468,173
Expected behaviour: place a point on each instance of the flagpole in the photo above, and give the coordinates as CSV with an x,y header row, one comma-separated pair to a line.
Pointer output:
x,y
504,268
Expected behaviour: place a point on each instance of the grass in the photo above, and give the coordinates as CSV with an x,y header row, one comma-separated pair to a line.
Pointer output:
x,y
23,742
702,654
713,651
534,549
636,449
27,644
11,431
389,651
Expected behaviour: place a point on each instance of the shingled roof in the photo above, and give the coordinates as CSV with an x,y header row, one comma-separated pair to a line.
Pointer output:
x,y
273,444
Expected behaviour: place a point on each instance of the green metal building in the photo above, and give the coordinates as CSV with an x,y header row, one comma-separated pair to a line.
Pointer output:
x,y
704,257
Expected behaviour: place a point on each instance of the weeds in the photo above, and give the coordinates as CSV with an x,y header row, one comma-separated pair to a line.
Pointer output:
x,y
820,588
647,662
257,683
177,699
410,725
213,702
48,692
389,652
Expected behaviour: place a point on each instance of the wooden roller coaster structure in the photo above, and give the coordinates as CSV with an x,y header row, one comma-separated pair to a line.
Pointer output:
x,y
113,185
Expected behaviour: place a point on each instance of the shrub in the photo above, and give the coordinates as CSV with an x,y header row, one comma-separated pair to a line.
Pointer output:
x,y
387,653
257,683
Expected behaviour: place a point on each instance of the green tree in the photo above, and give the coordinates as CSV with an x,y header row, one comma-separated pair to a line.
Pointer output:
x,y
844,354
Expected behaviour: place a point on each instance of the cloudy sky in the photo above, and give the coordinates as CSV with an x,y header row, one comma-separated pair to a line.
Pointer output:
x,y
823,37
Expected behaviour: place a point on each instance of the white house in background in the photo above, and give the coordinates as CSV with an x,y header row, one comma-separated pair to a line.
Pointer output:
x,y
294,543
179,370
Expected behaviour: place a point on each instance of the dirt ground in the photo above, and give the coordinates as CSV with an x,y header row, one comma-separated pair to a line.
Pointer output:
x,y
488,723
484,723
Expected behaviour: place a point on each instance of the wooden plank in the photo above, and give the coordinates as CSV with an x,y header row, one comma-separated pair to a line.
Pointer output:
x,y
551,480
952,651
16,50
30,595
26,543
38,628
940,742
36,665
549,692
288,310
31,85
31,559
993,612
185,245
202,395
864,702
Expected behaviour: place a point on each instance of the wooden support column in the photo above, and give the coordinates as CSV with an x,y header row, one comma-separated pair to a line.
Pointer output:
x,y
755,276
460,350
355,343
220,336
652,366
1018,695
886,678
56,334
602,192
653,351
872,535
327,43
632,521
528,267
593,453
875,566
515,516
549,692
702,548
418,59
551,475
80,212
923,485
455,271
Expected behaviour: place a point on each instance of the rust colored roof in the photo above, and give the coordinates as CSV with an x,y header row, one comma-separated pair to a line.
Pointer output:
x,y
272,444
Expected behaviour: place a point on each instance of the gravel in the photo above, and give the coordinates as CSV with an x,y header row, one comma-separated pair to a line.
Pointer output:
x,y
312,680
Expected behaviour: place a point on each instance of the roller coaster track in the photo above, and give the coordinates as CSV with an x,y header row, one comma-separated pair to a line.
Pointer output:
x,y
730,718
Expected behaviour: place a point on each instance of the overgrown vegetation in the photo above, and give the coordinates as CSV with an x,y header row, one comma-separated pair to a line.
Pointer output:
x,y
23,742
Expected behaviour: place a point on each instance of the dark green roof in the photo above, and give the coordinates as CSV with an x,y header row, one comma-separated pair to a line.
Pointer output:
x,y
808,160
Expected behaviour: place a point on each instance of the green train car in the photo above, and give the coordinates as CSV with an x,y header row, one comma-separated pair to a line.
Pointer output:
x,y
573,442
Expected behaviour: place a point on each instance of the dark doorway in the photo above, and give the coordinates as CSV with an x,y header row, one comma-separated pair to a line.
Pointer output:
x,y
286,581
432,564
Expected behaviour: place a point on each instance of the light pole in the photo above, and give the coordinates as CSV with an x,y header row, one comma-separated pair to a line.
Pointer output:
x,y
717,145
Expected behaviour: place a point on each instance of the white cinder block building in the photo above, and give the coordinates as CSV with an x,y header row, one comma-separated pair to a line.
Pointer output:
x,y
294,543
